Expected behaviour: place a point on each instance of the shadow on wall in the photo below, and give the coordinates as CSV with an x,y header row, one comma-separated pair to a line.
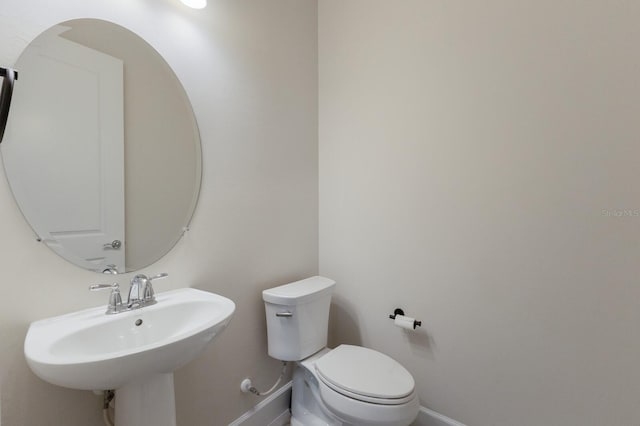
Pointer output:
x,y
343,326
420,342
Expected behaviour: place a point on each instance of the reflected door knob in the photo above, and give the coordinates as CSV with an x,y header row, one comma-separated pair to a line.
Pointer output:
x,y
115,244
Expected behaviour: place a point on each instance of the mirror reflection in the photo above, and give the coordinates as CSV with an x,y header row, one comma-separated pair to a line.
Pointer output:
x,y
101,150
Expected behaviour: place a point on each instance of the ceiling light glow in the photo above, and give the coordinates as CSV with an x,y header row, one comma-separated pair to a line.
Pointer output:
x,y
196,4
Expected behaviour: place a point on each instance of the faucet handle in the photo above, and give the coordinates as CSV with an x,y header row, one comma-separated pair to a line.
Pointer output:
x,y
97,287
159,276
115,300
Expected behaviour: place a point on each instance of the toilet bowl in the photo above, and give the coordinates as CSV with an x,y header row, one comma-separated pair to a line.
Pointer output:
x,y
355,386
348,385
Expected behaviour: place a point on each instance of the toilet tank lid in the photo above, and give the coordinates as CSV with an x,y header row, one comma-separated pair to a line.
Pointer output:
x,y
299,292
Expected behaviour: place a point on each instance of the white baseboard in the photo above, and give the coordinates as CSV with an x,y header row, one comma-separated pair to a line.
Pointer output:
x,y
283,420
274,411
271,411
427,417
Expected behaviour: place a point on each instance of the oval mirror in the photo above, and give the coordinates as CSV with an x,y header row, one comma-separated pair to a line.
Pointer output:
x,y
101,150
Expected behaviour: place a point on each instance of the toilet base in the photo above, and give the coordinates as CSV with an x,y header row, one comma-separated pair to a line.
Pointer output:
x,y
311,400
306,406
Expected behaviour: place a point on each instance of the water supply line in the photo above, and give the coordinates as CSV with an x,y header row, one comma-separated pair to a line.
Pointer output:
x,y
247,386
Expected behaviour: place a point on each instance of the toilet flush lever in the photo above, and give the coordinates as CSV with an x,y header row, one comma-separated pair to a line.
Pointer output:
x,y
284,314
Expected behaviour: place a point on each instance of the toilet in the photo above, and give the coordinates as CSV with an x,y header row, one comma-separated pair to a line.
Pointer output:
x,y
348,385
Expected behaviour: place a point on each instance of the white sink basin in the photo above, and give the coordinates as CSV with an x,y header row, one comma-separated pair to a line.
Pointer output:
x,y
94,351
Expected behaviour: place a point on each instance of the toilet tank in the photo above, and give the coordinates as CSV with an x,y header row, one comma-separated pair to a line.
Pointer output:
x,y
298,317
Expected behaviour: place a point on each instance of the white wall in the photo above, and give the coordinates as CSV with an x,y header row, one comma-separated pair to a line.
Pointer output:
x,y
467,152
250,71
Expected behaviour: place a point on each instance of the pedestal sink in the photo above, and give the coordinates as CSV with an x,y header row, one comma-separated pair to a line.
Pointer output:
x,y
133,352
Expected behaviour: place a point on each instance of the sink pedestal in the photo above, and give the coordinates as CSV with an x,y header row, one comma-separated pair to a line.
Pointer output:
x,y
150,401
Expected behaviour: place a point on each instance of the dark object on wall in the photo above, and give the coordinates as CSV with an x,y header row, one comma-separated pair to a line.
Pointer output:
x,y
399,311
9,76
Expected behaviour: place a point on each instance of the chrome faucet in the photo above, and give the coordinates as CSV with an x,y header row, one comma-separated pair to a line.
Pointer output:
x,y
110,269
141,291
140,294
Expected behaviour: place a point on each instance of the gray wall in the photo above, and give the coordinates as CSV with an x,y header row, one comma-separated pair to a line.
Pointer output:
x,y
467,152
250,71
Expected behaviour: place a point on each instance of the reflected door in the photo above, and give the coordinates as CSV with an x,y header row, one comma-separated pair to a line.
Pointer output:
x,y
73,100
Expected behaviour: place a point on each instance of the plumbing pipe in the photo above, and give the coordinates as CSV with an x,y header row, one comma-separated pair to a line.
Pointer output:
x,y
247,386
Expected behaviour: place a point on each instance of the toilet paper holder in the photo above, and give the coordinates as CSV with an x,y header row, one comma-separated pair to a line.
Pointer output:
x,y
399,311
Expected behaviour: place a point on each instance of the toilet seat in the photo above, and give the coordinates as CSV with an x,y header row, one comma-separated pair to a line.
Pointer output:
x,y
365,375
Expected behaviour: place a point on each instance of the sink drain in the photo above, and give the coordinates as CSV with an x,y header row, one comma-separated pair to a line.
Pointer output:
x,y
138,322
